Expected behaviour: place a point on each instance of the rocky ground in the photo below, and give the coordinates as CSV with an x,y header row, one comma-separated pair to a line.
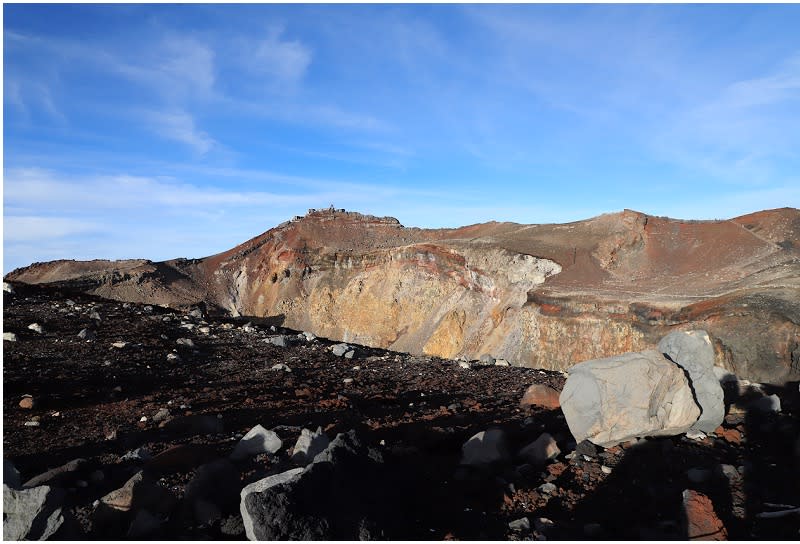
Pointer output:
x,y
172,394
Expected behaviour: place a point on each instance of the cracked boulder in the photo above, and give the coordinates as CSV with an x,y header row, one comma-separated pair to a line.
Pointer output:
x,y
612,400
692,351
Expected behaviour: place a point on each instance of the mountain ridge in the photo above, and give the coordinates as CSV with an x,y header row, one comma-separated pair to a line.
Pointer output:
x,y
542,295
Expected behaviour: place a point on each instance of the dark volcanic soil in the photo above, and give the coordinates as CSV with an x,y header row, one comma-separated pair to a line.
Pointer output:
x,y
90,397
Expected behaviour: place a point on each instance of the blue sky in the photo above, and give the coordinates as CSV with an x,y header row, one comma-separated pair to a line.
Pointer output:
x,y
159,131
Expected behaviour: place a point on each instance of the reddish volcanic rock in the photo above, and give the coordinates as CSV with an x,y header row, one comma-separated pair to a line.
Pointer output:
x,y
702,522
540,395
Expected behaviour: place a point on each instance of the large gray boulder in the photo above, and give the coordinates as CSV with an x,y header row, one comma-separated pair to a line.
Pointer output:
x,y
259,487
32,514
615,399
692,351
347,493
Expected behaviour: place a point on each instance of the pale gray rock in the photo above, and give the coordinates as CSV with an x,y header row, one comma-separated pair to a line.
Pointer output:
x,y
541,450
8,288
310,336
9,337
282,341
197,313
137,455
86,334
547,488
486,359
161,415
484,448
340,349
187,342
35,327
32,514
693,351
259,487
96,316
308,445
281,367
612,400
257,440
520,525
350,354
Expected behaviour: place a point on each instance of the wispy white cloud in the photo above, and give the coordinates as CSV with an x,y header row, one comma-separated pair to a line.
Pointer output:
x,y
735,133
283,60
26,228
180,126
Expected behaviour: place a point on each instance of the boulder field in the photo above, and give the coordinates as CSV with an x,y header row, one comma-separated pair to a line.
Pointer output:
x,y
541,296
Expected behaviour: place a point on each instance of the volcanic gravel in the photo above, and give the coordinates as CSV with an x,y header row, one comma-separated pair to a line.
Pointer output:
x,y
90,399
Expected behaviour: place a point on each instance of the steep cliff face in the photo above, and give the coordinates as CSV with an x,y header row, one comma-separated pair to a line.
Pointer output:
x,y
546,296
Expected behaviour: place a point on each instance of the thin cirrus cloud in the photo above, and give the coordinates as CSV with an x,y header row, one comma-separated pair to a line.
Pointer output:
x,y
181,127
233,118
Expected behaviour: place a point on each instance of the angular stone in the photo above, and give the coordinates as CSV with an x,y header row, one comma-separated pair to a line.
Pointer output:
x,y
27,402
281,366
56,474
541,395
281,341
9,337
699,518
340,349
86,334
259,487
612,400
142,491
35,327
32,514
541,450
342,495
8,288
486,359
520,525
484,448
187,342
257,440
693,351
308,445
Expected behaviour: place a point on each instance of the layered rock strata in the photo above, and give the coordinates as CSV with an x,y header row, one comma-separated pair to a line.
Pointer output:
x,y
546,296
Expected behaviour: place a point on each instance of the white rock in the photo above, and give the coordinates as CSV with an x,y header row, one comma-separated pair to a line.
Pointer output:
x,y
308,445
35,327
119,345
609,401
9,336
188,342
8,288
257,440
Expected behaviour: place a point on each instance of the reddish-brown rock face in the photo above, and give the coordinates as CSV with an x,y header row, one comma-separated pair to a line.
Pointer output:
x,y
546,296
701,520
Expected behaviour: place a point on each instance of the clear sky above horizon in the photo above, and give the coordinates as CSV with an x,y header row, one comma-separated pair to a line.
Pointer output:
x,y
162,131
